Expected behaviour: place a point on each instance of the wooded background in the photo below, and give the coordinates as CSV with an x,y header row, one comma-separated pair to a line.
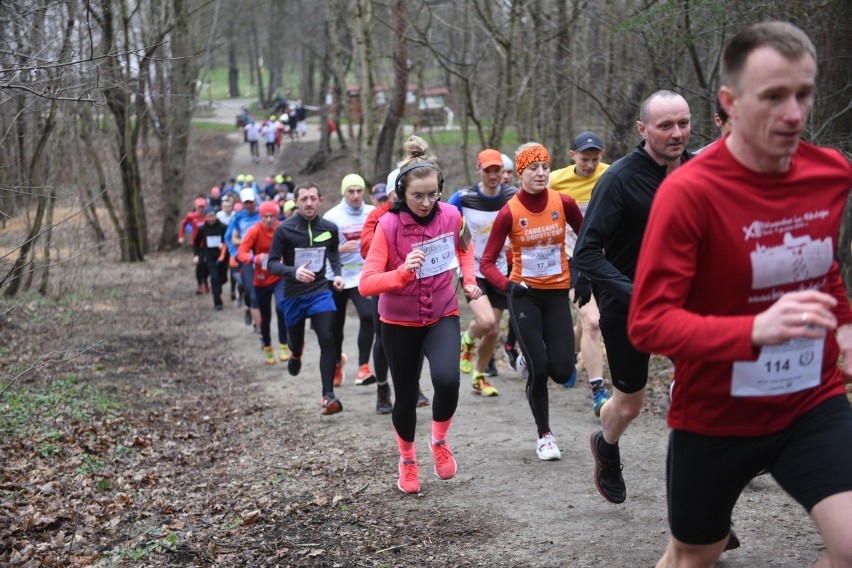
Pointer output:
x,y
97,97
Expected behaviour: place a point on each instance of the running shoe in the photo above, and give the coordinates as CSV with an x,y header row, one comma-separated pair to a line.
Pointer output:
x,y
733,541
547,449
365,376
247,317
409,481
481,386
491,369
468,346
422,399
383,399
268,356
294,365
339,375
608,478
511,354
522,369
599,398
199,289
445,463
218,307
283,352
206,288
330,404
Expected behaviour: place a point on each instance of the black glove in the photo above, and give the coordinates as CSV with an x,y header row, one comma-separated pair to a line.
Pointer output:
x,y
516,290
582,291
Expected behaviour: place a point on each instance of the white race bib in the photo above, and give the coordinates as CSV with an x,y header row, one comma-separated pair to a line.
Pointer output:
x,y
314,257
540,261
214,241
440,255
781,369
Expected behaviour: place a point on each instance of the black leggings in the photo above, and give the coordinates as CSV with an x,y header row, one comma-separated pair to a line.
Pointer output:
x,y
380,360
266,297
404,346
201,272
322,324
545,333
217,271
365,314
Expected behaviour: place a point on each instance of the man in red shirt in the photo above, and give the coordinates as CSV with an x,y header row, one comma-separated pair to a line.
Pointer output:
x,y
737,282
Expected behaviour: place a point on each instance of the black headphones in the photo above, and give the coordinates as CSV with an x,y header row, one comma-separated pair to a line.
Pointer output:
x,y
400,189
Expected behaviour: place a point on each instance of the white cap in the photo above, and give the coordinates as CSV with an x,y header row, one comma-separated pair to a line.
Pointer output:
x,y
508,164
247,194
392,181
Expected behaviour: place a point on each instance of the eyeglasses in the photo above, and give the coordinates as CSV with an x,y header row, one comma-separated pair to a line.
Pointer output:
x,y
420,197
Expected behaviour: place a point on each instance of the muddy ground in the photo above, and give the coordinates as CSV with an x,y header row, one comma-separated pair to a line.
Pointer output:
x,y
192,452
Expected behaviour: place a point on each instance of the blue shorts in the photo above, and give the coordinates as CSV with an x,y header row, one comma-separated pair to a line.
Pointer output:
x,y
297,309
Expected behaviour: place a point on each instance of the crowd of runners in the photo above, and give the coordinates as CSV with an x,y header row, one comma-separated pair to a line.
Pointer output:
x,y
722,260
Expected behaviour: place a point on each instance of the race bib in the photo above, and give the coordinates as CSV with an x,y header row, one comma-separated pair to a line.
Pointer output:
x,y
214,241
541,260
314,257
440,255
781,369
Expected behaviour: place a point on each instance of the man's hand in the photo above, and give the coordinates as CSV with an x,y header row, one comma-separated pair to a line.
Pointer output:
x,y
844,341
195,259
795,314
582,291
304,274
337,283
348,246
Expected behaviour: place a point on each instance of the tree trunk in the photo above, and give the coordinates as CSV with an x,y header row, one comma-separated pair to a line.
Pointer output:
x,y
320,157
177,118
233,65
387,137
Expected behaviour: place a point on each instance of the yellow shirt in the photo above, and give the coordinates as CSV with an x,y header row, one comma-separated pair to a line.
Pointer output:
x,y
567,181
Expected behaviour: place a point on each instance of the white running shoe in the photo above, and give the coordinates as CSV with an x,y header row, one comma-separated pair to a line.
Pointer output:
x,y
547,449
521,365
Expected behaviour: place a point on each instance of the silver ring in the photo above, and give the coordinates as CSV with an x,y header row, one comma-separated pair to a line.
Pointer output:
x,y
805,318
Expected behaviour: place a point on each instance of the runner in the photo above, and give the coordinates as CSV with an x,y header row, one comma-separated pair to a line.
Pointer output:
x,y
606,253
411,262
254,249
349,216
738,282
578,180
206,246
535,220
190,224
240,224
380,361
479,205
301,247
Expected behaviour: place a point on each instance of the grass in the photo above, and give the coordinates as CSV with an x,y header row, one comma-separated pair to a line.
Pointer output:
x,y
25,413
216,83
440,137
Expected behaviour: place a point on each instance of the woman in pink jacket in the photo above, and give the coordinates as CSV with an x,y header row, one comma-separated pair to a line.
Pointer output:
x,y
416,250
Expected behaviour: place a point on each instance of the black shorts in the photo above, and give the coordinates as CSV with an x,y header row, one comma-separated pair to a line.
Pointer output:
x,y
495,296
627,366
810,460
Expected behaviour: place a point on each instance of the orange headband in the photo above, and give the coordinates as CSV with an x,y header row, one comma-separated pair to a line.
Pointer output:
x,y
529,155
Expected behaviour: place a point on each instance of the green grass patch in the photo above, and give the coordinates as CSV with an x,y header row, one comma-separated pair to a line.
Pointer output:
x,y
200,125
27,413
440,137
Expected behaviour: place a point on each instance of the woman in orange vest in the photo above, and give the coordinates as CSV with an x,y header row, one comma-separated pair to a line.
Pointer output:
x,y
535,221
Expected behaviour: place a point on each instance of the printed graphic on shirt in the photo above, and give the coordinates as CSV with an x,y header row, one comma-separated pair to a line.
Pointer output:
x,y
797,259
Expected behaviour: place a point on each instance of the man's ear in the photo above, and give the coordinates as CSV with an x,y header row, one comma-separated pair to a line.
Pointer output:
x,y
726,99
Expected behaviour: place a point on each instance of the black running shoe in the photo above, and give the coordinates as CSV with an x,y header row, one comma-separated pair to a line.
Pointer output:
x,y
247,317
383,399
294,365
511,354
491,369
608,478
733,541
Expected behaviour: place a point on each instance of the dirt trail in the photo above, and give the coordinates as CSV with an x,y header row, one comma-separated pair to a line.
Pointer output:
x,y
506,507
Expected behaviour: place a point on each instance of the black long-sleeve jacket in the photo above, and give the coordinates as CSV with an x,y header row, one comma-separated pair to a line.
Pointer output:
x,y
298,232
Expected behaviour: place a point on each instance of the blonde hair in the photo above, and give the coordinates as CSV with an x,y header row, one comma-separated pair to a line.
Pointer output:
x,y
416,151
